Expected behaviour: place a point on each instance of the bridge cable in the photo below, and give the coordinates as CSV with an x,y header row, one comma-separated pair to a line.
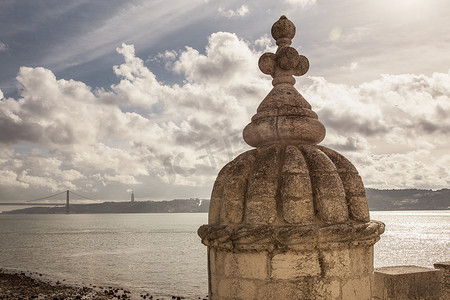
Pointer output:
x,y
87,198
43,198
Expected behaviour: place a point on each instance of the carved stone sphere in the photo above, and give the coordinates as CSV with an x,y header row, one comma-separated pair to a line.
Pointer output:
x,y
283,29
295,184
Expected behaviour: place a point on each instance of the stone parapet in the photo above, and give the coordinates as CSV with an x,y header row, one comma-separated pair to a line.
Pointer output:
x,y
334,274
407,283
445,282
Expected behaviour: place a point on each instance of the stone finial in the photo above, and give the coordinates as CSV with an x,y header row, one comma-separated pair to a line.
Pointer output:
x,y
284,116
283,31
286,61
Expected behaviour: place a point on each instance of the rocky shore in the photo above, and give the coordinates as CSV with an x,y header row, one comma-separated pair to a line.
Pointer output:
x,y
27,286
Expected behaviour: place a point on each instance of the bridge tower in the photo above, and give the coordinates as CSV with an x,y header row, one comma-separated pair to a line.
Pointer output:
x,y
67,202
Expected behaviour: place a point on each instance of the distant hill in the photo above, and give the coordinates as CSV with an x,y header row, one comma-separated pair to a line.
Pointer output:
x,y
410,199
193,205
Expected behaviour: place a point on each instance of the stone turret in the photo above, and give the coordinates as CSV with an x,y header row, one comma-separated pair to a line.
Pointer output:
x,y
288,219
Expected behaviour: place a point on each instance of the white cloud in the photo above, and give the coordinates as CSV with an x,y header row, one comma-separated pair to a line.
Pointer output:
x,y
412,104
107,31
403,170
94,144
266,43
227,61
239,12
172,139
395,127
3,47
9,178
1,95
126,179
302,3
169,55
347,143
355,34
353,65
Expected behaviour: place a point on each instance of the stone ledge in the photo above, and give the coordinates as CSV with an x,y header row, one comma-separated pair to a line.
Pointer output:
x,y
403,270
445,281
407,283
250,238
442,265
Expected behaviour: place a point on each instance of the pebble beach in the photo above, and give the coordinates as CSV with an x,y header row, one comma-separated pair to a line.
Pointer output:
x,y
18,285
22,285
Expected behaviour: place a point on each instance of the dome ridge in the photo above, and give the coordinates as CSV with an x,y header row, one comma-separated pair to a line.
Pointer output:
x,y
295,184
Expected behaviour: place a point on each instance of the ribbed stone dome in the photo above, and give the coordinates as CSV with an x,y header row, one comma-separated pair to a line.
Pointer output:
x,y
288,184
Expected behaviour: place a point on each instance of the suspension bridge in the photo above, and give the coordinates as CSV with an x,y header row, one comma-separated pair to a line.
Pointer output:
x,y
41,201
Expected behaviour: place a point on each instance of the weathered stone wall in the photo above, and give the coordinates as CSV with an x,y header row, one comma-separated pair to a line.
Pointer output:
x,y
445,281
407,283
334,274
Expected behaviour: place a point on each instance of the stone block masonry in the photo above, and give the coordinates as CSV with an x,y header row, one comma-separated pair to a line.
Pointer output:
x,y
330,274
445,281
407,283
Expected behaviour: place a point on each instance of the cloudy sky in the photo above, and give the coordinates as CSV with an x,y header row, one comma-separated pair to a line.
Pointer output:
x,y
105,97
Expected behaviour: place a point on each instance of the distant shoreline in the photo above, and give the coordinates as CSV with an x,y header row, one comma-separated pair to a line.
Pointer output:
x,y
174,206
20,211
379,200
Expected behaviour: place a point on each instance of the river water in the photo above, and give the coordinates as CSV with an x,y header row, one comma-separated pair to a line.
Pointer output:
x,y
162,254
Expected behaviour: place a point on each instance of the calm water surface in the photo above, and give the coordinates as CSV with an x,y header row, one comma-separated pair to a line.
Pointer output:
x,y
162,254
159,253
418,238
